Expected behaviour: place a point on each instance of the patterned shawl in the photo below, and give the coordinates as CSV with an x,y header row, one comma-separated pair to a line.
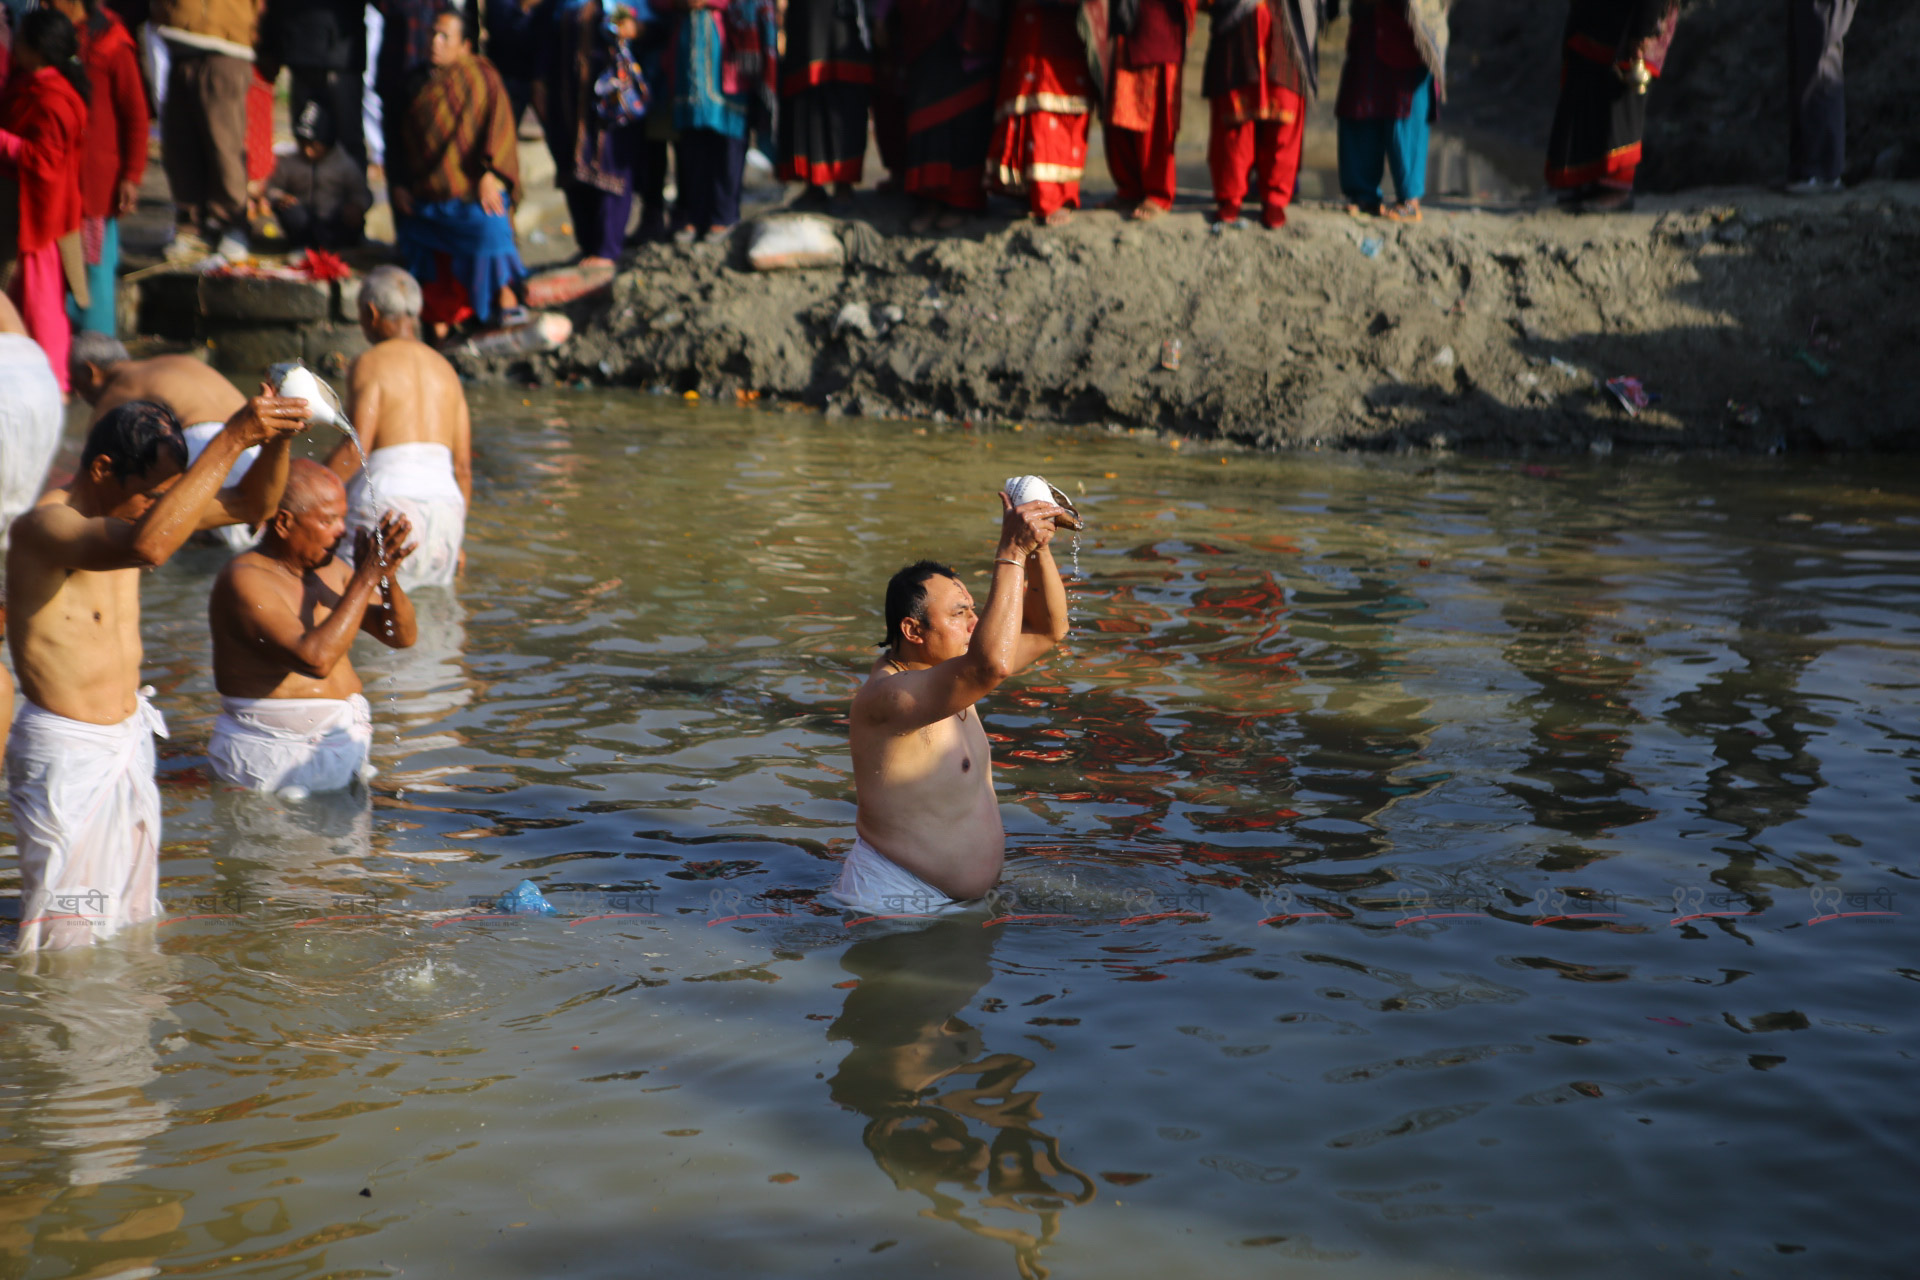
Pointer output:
x,y
459,127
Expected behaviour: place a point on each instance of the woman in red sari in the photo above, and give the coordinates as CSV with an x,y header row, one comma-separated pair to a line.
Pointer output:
x,y
43,128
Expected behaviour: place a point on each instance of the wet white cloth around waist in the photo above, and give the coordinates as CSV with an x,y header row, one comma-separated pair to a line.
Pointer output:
x,y
268,744
415,479
87,816
873,884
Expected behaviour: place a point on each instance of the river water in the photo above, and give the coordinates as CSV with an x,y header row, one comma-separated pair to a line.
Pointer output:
x,y
1419,867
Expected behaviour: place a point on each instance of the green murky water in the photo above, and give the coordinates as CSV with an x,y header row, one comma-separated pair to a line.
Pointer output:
x,y
1426,868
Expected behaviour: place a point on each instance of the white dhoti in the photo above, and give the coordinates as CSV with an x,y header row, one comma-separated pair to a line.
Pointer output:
x,y
31,419
199,436
415,479
269,744
873,884
87,814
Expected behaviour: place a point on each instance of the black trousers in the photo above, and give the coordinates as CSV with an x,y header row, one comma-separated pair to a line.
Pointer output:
x,y
1817,98
710,166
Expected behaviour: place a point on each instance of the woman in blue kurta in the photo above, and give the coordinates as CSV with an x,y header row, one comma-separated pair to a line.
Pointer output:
x,y
1391,85
597,160
722,84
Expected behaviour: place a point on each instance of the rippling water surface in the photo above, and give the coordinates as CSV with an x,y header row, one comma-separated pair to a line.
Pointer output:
x,y
1422,867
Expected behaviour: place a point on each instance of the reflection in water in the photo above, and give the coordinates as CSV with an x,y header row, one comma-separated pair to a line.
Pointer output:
x,y
82,1055
910,1050
1761,726
1580,723
303,854
412,688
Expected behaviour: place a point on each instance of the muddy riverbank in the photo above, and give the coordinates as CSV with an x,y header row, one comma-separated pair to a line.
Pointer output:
x,y
1758,323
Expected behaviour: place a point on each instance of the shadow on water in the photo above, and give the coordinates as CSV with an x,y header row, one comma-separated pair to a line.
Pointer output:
x,y
947,1119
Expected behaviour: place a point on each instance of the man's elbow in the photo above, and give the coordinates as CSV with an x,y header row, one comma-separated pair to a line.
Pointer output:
x,y
149,553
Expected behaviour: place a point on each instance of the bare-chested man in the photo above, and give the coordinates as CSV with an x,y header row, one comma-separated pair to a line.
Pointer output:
x,y
80,765
928,820
284,617
406,403
200,396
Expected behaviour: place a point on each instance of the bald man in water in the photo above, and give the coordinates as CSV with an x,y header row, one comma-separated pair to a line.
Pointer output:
x,y
284,618
928,820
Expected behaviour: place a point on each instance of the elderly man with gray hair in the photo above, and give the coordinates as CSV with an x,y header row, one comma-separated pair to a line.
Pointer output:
x,y
405,401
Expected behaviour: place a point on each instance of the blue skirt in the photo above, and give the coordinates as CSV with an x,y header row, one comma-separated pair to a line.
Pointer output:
x,y
480,246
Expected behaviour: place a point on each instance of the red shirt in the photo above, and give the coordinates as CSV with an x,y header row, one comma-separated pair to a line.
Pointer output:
x,y
43,126
116,150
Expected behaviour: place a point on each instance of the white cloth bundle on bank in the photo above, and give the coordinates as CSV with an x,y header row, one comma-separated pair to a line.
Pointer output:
x,y
874,884
87,815
416,479
199,436
31,417
269,744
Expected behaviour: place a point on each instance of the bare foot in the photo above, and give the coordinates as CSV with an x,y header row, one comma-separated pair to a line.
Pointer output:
x,y
952,220
1058,218
1358,211
596,264
1147,211
922,222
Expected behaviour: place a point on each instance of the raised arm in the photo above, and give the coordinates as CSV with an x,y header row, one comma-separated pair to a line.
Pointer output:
x,y
262,618
1043,622
915,698
258,493
64,537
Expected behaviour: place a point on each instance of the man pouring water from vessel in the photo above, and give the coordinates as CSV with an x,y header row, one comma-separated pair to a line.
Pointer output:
x,y
930,835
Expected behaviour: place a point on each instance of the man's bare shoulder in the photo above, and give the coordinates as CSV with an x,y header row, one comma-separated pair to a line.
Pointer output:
x,y
403,356
53,510
194,390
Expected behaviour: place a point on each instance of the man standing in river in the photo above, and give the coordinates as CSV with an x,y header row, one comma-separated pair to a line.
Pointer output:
x,y
411,414
80,765
928,820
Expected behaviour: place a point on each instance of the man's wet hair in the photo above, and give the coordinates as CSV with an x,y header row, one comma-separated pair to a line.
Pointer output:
x,y
133,437
907,597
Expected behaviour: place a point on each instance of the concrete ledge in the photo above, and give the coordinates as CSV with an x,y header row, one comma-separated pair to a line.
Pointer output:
x,y
252,298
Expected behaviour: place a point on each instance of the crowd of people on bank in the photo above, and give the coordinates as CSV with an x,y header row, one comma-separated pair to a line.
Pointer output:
x,y
961,98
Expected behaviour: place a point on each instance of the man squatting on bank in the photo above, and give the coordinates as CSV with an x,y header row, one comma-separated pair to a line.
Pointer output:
x,y
80,763
283,618
928,822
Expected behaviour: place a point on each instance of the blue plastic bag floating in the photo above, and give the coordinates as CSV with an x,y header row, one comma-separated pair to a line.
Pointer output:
x,y
525,899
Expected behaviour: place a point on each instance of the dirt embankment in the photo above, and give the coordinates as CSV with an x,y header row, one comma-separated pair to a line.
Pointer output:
x,y
1760,323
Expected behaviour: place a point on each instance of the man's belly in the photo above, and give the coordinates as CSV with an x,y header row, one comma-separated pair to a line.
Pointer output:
x,y
96,684
957,850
